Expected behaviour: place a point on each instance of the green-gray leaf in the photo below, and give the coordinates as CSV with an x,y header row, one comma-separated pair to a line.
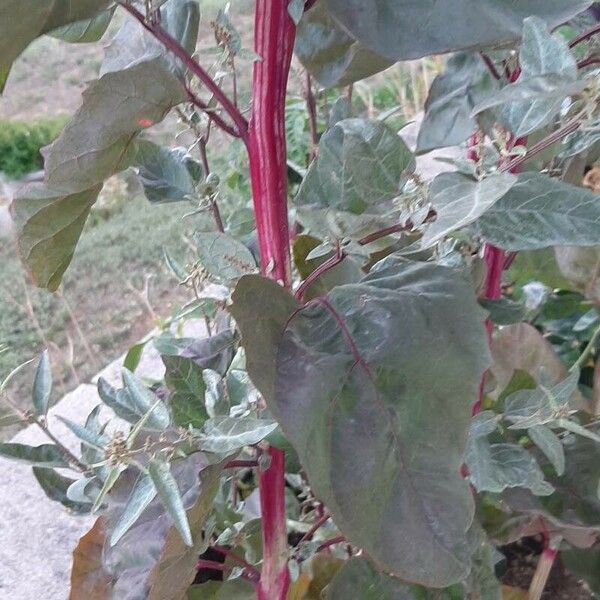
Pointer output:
x,y
49,223
55,486
541,54
144,400
459,201
184,379
224,257
453,95
358,579
495,467
142,494
98,142
85,31
228,434
164,173
45,455
332,56
21,21
361,164
168,492
528,408
381,25
549,443
351,391
119,401
539,212
42,385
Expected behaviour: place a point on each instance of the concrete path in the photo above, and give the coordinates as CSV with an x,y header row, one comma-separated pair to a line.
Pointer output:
x,y
37,535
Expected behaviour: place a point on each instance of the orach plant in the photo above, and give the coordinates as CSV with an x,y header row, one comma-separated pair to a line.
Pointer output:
x,y
344,430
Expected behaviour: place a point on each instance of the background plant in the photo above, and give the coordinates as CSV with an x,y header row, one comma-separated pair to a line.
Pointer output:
x,y
367,426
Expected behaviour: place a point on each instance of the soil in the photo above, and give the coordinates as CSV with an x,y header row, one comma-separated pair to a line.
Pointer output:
x,y
521,561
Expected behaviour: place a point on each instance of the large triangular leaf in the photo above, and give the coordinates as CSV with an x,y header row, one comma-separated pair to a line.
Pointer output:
x,y
539,212
361,163
98,142
355,397
541,54
407,29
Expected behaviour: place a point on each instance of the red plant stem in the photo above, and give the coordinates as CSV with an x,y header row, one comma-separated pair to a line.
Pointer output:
x,y
274,37
182,54
490,65
275,576
212,115
340,255
586,35
340,539
316,526
241,464
588,62
515,165
274,42
251,570
336,259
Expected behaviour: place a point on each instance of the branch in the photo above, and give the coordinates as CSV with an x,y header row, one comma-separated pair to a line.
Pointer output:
x,y
340,539
558,135
317,524
173,46
340,255
212,114
586,35
490,65
335,260
586,62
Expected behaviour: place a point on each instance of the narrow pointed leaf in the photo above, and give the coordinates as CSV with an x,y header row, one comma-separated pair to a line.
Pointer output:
x,y
89,438
228,434
45,455
146,402
42,385
108,485
55,486
142,494
549,443
168,492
